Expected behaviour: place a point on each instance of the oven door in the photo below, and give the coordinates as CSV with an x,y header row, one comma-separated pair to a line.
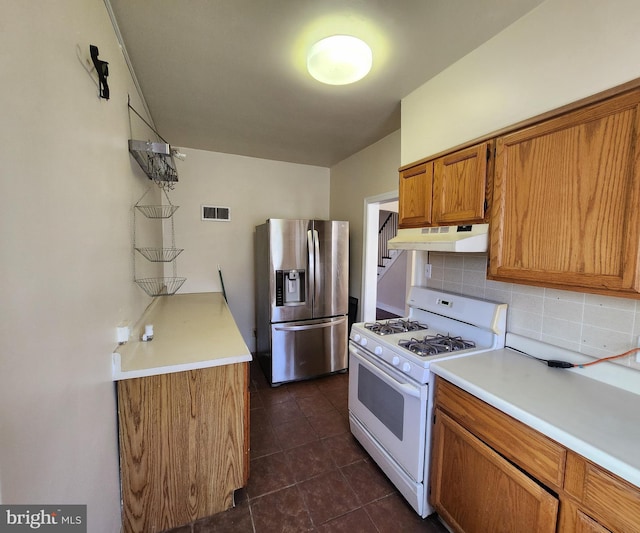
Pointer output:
x,y
391,407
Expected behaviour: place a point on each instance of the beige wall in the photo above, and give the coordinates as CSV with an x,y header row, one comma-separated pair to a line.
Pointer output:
x,y
255,190
558,53
391,287
561,51
68,186
370,172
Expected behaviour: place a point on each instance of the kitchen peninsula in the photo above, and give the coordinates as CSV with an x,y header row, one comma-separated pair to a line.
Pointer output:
x,y
183,413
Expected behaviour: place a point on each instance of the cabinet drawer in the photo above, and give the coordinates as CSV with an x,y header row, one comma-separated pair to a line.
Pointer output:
x,y
609,499
541,457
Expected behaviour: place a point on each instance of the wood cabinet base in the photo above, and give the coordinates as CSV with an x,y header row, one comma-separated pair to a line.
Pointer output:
x,y
183,448
476,490
490,472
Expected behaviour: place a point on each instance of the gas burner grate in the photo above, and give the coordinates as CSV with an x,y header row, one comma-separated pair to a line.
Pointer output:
x,y
396,325
436,344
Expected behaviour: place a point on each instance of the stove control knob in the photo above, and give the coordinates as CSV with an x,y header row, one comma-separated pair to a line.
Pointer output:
x,y
406,367
395,361
378,350
363,342
357,337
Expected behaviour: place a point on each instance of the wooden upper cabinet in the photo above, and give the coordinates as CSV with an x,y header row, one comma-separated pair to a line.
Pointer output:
x,y
415,191
460,185
449,190
565,201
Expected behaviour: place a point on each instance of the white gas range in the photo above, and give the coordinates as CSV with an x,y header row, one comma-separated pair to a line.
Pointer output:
x,y
390,392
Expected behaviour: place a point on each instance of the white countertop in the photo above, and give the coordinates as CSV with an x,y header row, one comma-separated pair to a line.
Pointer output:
x,y
596,420
190,331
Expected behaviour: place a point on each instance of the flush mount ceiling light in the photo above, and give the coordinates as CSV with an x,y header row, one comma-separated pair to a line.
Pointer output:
x,y
339,60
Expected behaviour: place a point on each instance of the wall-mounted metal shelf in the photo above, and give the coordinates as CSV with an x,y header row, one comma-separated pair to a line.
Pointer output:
x,y
164,286
160,286
156,159
160,255
157,211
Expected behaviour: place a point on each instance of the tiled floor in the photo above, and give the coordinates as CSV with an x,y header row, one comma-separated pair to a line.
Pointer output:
x,y
381,314
307,471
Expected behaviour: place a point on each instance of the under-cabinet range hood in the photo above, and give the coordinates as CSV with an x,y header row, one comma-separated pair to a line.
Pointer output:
x,y
472,238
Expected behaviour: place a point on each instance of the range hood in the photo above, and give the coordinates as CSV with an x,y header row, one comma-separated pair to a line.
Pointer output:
x,y
473,238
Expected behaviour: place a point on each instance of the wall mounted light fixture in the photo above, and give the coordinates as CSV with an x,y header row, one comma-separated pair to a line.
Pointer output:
x,y
339,60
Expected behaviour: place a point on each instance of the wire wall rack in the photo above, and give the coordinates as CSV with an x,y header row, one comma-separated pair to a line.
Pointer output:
x,y
160,286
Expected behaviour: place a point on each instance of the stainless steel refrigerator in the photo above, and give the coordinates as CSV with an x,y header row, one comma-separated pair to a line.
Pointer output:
x,y
302,275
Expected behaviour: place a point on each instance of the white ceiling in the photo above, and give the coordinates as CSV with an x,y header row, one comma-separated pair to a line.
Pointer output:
x,y
229,75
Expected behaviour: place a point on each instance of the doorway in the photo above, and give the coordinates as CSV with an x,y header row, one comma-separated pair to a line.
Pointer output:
x,y
369,293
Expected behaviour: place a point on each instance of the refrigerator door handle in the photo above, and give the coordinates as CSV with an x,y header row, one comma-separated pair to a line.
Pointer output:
x,y
317,278
312,265
305,327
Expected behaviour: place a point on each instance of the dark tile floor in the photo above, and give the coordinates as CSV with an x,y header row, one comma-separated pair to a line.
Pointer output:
x,y
307,472
381,314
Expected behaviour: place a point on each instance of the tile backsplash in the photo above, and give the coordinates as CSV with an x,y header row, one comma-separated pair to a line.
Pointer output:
x,y
594,325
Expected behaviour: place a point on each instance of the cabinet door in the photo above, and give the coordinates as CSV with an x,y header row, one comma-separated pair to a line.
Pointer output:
x,y
415,191
565,201
474,489
182,445
572,519
584,524
460,186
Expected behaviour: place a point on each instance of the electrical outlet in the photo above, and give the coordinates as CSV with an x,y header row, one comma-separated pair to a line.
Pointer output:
x,y
427,271
123,332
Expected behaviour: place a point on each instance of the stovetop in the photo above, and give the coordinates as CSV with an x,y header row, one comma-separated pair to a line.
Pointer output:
x,y
394,325
428,345
440,325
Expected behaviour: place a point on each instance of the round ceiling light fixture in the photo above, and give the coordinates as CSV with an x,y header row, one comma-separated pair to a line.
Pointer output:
x,y
339,60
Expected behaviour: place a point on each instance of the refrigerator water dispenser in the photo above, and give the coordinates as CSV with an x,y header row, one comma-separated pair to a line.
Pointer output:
x,y
290,287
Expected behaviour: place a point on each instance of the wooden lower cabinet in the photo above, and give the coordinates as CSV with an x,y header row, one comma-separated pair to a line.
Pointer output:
x,y
577,521
608,501
584,524
474,489
183,445
490,472
516,442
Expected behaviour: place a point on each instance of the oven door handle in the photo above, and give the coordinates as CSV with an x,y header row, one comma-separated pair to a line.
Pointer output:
x,y
406,388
